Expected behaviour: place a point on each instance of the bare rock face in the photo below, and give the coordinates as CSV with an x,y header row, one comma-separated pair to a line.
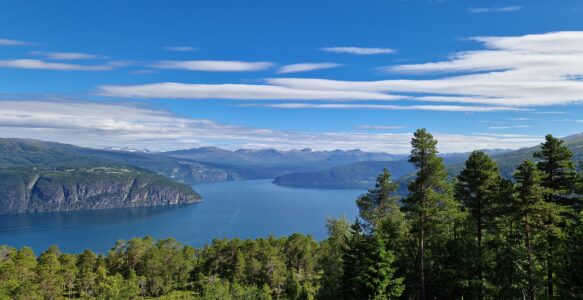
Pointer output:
x,y
33,190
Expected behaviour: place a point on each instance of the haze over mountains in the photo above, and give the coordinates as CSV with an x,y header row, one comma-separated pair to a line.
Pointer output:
x,y
45,176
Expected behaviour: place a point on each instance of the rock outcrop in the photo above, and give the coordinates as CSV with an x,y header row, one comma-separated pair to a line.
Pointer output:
x,y
80,188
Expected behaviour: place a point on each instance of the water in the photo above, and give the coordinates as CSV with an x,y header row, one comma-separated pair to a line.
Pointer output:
x,y
242,209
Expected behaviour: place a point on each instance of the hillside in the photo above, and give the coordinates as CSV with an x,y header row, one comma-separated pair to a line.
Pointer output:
x,y
358,175
21,152
42,176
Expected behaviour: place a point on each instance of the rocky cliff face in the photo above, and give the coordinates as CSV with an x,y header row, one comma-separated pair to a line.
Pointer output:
x,y
34,190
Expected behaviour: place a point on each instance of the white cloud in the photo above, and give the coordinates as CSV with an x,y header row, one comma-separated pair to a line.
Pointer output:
x,y
478,10
449,108
180,48
521,71
234,91
67,55
304,67
359,50
8,42
530,70
44,65
213,65
379,127
101,125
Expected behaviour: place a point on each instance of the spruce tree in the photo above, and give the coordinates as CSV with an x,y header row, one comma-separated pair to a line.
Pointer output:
x,y
477,187
426,191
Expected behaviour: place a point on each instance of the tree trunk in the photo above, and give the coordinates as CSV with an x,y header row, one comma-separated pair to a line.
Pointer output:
x,y
530,292
550,268
421,259
480,288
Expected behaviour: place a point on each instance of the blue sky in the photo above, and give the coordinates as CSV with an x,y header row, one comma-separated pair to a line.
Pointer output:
x,y
291,74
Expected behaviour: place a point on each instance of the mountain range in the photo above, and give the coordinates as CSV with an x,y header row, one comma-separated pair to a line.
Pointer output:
x,y
363,174
48,176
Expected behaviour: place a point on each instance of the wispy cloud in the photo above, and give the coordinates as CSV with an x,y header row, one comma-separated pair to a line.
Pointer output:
x,y
180,48
67,55
101,125
8,42
234,91
479,10
305,67
510,127
449,108
529,70
359,50
213,65
36,64
379,127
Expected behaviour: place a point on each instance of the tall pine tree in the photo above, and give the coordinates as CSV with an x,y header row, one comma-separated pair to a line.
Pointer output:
x,y
532,210
559,178
426,192
477,188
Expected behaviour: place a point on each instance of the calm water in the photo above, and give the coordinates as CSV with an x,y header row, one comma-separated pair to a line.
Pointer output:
x,y
243,209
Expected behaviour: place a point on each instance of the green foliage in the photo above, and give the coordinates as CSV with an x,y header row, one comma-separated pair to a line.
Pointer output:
x,y
478,237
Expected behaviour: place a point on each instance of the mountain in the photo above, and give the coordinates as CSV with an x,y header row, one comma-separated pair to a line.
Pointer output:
x,y
509,160
363,174
44,176
359,175
270,163
21,152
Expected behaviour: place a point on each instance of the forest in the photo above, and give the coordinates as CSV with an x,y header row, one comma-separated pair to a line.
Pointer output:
x,y
477,235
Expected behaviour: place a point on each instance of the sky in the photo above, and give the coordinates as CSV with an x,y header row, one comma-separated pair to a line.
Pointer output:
x,y
329,74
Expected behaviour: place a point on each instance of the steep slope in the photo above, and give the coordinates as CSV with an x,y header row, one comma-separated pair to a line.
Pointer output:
x,y
40,176
21,152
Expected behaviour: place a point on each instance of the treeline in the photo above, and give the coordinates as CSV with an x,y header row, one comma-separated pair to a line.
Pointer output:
x,y
476,236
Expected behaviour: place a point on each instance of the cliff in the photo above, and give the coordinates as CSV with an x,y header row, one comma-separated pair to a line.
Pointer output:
x,y
33,189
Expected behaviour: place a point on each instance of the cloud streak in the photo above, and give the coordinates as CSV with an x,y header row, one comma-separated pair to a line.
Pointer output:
x,y
8,42
67,55
306,67
359,50
180,48
529,70
502,9
36,64
447,108
213,65
235,92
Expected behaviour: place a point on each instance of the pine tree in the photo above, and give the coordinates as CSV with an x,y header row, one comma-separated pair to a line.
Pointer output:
x,y
426,191
369,268
477,189
378,203
531,209
559,179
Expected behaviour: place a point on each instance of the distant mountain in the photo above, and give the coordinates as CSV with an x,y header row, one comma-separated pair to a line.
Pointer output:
x,y
269,163
359,175
363,174
127,149
44,176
